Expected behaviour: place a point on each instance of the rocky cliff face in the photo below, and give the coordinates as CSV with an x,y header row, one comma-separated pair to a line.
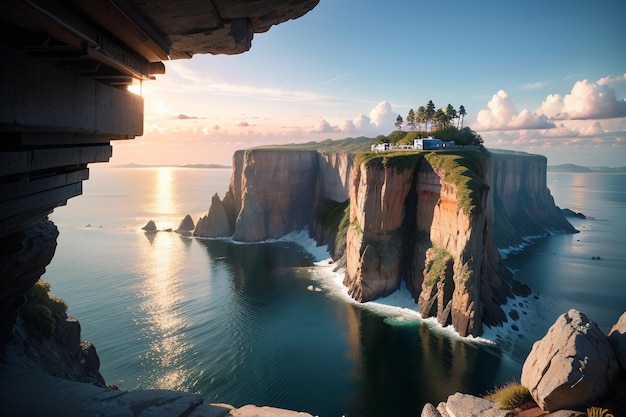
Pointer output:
x,y
430,220
522,201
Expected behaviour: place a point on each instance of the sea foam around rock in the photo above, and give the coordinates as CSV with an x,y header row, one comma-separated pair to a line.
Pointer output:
x,y
398,308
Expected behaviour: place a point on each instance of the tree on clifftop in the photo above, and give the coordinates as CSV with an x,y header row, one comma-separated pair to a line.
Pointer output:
x,y
430,112
421,116
462,114
410,119
399,122
451,113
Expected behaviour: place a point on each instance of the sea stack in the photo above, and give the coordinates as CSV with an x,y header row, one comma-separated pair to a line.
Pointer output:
x,y
150,226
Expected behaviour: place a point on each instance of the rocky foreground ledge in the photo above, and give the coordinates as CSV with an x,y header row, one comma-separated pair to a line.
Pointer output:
x,y
34,393
572,369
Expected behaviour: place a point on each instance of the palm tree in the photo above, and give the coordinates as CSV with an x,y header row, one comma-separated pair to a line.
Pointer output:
x,y
441,119
462,114
451,113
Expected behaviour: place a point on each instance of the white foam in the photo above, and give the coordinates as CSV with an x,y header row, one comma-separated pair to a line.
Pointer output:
x,y
319,253
527,241
397,308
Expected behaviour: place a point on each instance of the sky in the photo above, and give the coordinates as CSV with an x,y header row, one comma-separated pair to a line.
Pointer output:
x,y
543,77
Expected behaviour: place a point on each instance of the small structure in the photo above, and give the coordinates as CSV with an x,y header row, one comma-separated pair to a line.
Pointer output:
x,y
380,147
429,143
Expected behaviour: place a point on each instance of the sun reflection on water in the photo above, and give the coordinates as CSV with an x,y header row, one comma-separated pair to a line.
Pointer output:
x,y
164,201
160,317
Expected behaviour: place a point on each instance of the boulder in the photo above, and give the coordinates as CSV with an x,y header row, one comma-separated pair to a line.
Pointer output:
x,y
265,411
186,225
617,338
464,405
572,366
150,226
429,410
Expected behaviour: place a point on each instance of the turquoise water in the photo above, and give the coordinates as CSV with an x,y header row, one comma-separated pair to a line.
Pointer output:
x,y
238,323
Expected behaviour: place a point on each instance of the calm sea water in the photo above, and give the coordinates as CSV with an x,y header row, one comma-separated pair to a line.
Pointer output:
x,y
238,323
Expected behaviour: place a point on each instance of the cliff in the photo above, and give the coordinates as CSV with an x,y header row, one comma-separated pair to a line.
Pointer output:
x,y
434,221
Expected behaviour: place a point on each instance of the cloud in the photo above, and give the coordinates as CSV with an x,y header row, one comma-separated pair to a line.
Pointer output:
x,y
586,101
612,80
536,85
383,115
184,117
322,126
502,114
380,121
243,124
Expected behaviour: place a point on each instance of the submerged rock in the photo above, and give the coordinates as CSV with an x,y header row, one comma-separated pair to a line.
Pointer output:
x,y
572,366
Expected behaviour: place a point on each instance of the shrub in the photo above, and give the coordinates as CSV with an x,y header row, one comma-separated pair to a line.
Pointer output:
x,y
510,395
41,317
461,169
438,266
41,309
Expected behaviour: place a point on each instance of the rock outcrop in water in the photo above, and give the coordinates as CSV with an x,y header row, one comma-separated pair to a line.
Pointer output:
x,y
433,220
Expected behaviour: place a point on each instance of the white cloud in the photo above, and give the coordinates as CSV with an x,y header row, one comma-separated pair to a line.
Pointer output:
x,y
380,121
323,126
612,80
536,85
383,115
587,100
501,114
592,129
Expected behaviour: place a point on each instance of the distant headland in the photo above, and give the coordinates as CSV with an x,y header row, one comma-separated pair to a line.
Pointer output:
x,y
193,166
573,169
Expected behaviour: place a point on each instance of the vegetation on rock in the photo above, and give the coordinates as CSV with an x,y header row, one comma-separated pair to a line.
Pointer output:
x,y
461,169
437,266
334,218
510,396
42,309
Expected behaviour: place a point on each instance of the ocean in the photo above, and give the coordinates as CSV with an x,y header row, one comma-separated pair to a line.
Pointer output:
x,y
269,324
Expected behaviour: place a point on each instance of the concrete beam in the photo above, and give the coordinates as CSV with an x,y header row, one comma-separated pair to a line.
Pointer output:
x,y
25,161
41,97
34,202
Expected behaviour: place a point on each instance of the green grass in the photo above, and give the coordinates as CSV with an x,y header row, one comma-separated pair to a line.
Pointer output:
x,y
438,266
510,395
461,169
41,308
348,145
334,217
400,160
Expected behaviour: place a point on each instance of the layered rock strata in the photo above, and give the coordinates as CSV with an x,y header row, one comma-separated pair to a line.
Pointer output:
x,y
429,220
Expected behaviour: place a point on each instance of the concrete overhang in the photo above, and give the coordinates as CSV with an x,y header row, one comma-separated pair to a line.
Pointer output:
x,y
109,40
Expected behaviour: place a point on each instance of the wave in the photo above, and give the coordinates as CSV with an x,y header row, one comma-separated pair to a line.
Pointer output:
x,y
399,308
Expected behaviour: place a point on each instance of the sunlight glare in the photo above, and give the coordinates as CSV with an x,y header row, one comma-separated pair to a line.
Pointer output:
x,y
162,296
